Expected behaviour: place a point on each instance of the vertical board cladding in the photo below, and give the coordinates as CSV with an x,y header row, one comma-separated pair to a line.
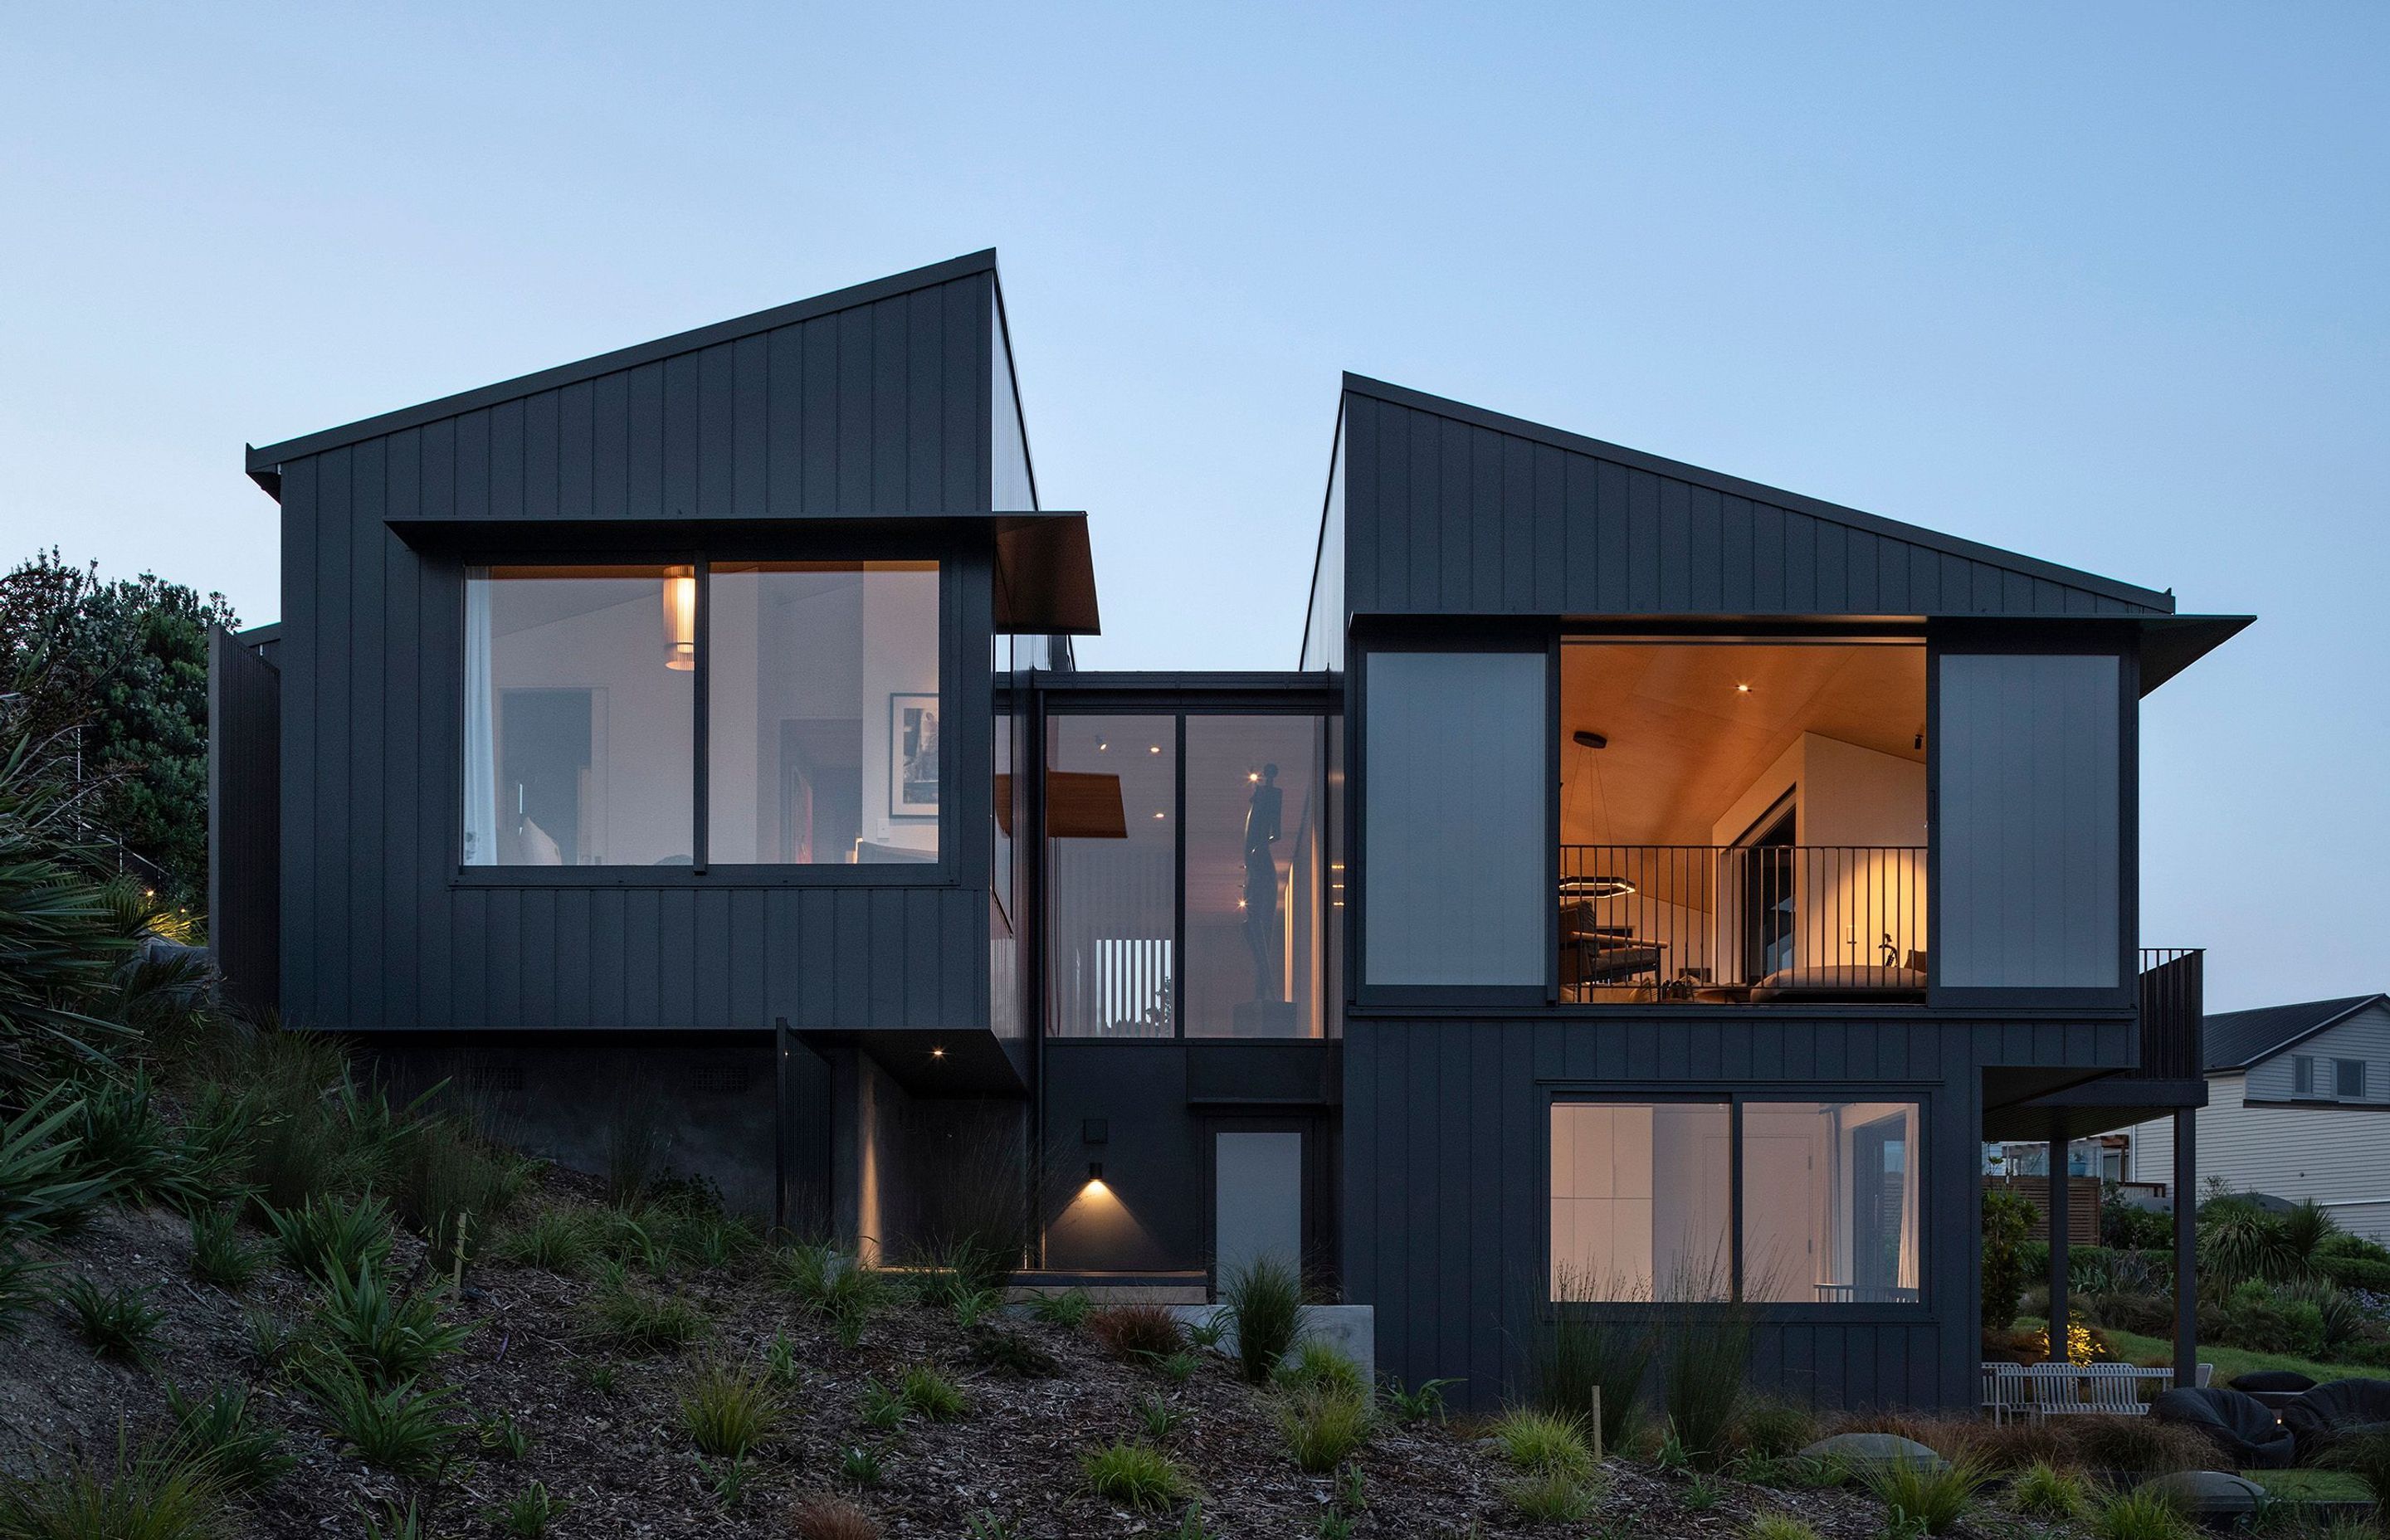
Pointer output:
x,y
244,796
1446,1186
1449,509
881,408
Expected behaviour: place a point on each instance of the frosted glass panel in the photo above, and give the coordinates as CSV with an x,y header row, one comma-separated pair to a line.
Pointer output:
x,y
1456,833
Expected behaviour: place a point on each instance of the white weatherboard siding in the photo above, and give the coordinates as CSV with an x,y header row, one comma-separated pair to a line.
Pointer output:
x,y
2339,1156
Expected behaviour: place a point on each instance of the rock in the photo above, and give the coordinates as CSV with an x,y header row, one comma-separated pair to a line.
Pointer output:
x,y
2206,1492
1857,1450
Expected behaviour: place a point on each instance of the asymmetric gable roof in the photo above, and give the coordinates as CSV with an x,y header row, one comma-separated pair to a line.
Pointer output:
x,y
2238,1039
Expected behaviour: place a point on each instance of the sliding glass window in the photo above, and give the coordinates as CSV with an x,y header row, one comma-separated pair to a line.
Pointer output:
x,y
1830,1202
1643,1196
1256,864
1642,1201
821,690
579,716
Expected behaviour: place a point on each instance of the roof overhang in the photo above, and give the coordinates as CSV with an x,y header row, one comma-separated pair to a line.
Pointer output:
x,y
2172,643
1045,568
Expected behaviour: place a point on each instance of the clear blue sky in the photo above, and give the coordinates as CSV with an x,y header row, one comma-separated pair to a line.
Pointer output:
x,y
2102,283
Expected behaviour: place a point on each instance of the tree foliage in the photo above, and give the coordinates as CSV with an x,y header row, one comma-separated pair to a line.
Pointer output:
x,y
110,680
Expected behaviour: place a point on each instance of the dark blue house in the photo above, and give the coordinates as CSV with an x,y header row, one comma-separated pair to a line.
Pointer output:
x,y
1647,886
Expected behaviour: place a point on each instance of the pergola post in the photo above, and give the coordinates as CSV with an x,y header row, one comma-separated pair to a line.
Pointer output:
x,y
2186,1247
2059,1319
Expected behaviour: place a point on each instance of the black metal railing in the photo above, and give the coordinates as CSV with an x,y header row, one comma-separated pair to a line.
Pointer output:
x,y
2174,1004
1742,924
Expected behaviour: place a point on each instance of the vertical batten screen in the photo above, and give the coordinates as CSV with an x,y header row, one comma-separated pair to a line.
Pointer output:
x,y
2030,821
1455,824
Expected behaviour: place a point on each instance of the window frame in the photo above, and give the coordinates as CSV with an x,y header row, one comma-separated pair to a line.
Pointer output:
x,y
2303,1075
1854,1314
1176,709
700,557
2340,1072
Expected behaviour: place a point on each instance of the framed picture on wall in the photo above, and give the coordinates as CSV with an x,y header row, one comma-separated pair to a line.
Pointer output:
x,y
912,756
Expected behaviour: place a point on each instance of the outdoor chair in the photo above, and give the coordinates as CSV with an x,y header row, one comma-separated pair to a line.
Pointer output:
x,y
2243,1428
2324,1416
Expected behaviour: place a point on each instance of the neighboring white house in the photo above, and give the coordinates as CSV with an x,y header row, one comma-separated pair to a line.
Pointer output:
x,y
2298,1106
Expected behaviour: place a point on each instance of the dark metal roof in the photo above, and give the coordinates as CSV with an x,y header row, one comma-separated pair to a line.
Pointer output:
x,y
2144,600
2238,1039
264,462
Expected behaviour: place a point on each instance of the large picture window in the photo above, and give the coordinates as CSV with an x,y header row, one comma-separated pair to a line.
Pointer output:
x,y
822,704
1643,1197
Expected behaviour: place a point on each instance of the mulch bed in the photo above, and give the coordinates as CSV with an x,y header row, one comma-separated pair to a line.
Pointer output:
x,y
622,1464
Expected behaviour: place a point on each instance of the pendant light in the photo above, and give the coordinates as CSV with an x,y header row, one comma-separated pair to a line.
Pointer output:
x,y
680,619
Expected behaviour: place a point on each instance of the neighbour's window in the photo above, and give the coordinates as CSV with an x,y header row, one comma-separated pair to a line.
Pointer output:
x,y
579,732
1642,1201
579,716
2303,1081
1829,1199
2349,1079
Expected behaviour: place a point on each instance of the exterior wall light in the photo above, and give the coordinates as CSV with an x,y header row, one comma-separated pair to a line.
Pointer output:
x,y
680,620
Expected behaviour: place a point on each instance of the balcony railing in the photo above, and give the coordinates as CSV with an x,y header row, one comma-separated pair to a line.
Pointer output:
x,y
1743,924
2174,1004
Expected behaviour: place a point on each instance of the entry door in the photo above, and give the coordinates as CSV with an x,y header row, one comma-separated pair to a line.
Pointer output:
x,y
1257,1199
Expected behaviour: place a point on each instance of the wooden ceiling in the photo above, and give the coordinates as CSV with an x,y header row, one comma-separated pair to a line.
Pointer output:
x,y
1684,741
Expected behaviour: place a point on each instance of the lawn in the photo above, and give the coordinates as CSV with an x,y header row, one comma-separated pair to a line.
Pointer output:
x,y
2320,1486
2229,1362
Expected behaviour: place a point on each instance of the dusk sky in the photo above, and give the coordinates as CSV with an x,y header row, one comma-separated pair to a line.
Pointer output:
x,y
2105,285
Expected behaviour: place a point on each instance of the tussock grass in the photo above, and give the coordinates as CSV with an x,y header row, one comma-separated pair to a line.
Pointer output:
x,y
1136,1474
729,1411
2042,1491
1322,1424
1936,1499
1265,1298
1542,1443
1129,1330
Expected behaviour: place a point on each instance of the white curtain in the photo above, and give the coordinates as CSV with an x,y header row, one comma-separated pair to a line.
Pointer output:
x,y
481,727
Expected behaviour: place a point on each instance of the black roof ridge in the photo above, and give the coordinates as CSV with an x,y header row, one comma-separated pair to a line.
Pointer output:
x,y
1718,480
2341,1008
263,460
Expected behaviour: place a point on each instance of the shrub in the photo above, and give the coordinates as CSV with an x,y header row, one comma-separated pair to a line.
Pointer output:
x,y
1778,1526
318,1237
152,1493
2042,1491
219,1255
2364,1454
1324,1366
1265,1298
1129,1330
1544,1444
2007,1218
1704,1356
1136,1474
1935,1497
40,1191
1068,1308
729,1411
883,1406
1011,1352
2141,1445
1572,1356
2143,1513
442,1173
528,1513
501,1438
1549,1497
219,1432
832,1518
558,1239
403,1523
1323,1423
637,1321
20,1288
1177,1368
780,1360
932,1394
1769,1426
860,1465
398,1429
117,1323
1421,1404
387,1336
120,1135
1159,1418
